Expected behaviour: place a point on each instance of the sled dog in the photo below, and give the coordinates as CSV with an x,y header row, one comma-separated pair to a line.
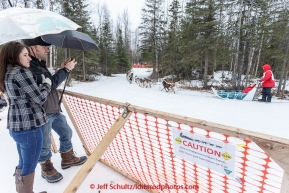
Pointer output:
x,y
129,77
168,86
148,83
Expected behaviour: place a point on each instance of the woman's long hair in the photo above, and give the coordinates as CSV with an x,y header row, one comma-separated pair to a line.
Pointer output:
x,y
9,55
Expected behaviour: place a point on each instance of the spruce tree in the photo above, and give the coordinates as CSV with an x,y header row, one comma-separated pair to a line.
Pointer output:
x,y
199,36
151,29
172,55
122,56
107,58
76,10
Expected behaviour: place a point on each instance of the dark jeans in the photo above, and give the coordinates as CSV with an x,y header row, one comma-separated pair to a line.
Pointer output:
x,y
266,94
29,144
58,123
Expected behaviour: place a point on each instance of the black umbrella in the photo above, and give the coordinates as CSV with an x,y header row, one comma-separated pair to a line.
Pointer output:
x,y
71,39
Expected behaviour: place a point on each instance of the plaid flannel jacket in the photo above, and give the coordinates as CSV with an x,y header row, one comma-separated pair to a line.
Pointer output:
x,y
25,98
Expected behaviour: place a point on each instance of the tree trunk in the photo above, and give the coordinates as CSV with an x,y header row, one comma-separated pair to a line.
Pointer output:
x,y
281,76
26,3
234,75
51,58
206,69
250,59
65,53
241,66
258,57
6,4
55,56
284,84
232,60
283,69
156,60
215,62
83,67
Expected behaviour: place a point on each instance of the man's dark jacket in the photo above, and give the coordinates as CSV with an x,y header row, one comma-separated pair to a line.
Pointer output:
x,y
39,67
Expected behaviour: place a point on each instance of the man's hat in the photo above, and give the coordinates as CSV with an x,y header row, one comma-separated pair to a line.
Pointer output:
x,y
35,41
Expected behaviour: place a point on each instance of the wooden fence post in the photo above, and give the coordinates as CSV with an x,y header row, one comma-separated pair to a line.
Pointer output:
x,y
285,184
96,154
53,144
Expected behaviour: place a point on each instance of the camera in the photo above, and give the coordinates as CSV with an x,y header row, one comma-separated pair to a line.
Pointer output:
x,y
70,59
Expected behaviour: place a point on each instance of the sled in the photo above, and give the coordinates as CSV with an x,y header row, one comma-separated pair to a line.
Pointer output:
x,y
235,94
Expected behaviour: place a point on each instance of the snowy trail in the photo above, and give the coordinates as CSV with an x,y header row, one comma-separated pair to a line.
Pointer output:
x,y
265,118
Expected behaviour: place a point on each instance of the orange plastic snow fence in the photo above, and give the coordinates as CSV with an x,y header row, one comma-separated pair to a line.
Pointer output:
x,y
144,150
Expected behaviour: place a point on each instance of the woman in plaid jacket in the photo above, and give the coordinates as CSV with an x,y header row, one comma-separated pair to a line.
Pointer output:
x,y
26,115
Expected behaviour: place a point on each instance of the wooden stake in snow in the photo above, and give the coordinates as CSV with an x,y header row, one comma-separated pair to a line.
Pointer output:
x,y
97,153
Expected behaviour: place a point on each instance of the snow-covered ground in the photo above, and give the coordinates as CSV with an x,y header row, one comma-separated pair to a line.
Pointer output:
x,y
266,118
271,119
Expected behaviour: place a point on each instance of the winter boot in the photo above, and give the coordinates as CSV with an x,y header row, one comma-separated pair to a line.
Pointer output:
x,y
69,159
261,100
17,174
49,172
269,98
25,183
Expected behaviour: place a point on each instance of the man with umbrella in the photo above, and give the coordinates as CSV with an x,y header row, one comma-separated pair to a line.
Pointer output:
x,y
57,121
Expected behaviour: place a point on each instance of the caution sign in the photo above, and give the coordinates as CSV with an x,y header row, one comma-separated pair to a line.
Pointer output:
x,y
211,153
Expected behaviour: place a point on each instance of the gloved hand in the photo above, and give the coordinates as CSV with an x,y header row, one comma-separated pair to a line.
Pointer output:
x,y
45,80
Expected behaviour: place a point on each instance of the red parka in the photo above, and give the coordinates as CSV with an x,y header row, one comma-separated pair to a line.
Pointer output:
x,y
268,77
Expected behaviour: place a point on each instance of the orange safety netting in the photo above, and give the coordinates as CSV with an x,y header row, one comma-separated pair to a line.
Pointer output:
x,y
144,149
139,66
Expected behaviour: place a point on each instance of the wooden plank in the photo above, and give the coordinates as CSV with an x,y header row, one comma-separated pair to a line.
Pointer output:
x,y
285,184
280,154
125,174
53,144
202,124
96,154
95,99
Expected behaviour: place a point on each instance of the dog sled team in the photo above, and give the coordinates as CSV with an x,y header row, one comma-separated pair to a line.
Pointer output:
x,y
143,82
147,83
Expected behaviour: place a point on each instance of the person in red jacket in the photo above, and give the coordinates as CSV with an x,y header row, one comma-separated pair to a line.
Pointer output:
x,y
267,83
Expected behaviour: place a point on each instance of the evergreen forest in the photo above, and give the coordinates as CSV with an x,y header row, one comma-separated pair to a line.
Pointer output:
x,y
190,39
